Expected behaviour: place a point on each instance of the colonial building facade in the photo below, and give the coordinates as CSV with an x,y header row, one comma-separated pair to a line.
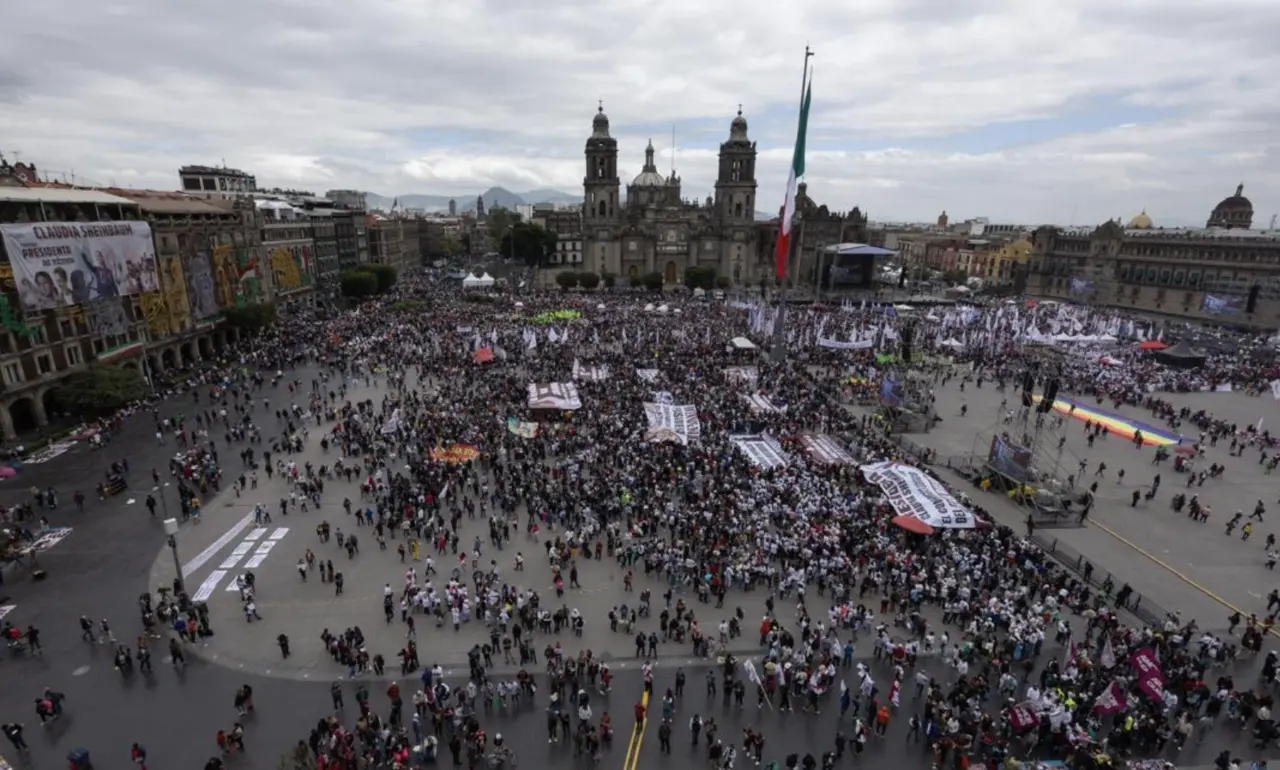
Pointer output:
x,y
654,229
1225,273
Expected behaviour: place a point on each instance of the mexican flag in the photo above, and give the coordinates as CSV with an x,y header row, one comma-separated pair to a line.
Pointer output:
x,y
797,171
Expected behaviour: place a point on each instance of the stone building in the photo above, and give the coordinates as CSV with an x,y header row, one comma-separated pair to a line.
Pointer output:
x,y
393,242
1225,273
204,260
655,229
206,254
288,253
815,228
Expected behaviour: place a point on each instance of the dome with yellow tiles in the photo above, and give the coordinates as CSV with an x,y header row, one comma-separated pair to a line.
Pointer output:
x,y
1140,222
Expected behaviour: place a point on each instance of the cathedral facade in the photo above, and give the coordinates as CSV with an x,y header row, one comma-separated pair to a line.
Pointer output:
x,y
654,229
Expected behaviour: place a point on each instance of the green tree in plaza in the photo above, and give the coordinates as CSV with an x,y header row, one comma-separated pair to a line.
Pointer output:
x,y
358,284
101,389
385,276
609,280
723,282
251,318
700,277
652,281
588,280
528,243
567,279
500,222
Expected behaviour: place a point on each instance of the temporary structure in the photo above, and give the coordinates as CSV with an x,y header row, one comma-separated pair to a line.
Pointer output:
x,y
472,282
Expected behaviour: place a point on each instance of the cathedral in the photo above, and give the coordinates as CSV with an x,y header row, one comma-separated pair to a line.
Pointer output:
x,y
654,229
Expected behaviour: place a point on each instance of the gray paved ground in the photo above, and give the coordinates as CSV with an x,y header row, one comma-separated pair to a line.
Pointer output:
x,y
1128,541
108,561
225,542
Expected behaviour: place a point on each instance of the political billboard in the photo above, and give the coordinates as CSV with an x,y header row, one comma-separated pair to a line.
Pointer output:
x,y
60,264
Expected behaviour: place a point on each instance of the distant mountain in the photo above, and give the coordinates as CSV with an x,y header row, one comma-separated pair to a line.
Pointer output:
x,y
494,195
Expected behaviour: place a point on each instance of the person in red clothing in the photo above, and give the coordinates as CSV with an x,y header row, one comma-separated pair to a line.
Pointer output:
x,y
138,755
639,714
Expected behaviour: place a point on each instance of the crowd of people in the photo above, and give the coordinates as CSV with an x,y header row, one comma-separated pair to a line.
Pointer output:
x,y
980,647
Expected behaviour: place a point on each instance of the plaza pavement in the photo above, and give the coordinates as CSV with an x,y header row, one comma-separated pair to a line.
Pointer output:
x,y
218,550
1183,566
108,561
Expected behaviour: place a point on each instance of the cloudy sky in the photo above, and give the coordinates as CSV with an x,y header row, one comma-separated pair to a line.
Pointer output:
x,y
1070,111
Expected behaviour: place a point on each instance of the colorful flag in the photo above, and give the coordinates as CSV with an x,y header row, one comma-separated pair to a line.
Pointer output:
x,y
797,171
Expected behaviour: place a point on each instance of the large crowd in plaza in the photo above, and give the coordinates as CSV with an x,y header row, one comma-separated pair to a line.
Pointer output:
x,y
763,493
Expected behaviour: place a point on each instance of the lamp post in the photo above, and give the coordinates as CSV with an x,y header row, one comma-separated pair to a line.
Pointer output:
x,y
171,531
164,501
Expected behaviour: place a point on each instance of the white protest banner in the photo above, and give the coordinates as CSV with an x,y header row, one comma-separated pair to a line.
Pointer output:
x,y
761,450
555,395
912,492
669,422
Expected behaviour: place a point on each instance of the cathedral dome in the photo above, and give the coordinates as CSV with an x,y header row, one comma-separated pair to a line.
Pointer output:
x,y
648,179
600,124
1235,211
649,176
1140,222
738,128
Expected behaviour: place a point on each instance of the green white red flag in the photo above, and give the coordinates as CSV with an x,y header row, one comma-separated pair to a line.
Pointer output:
x,y
793,179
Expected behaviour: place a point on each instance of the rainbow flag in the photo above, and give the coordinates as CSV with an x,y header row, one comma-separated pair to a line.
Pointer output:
x,y
1116,424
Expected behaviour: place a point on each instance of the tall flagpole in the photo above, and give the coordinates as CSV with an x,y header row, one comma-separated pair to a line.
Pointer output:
x,y
778,350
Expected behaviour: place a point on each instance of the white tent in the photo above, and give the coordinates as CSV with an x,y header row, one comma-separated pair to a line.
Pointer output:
x,y
472,282
486,279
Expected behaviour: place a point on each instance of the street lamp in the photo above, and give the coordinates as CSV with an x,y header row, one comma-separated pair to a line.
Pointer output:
x,y
171,530
164,501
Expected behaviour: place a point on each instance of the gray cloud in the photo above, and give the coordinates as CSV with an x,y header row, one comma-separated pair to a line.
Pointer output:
x,y
323,94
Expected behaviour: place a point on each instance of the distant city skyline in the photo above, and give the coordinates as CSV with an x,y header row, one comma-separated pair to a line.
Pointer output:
x,y
1072,113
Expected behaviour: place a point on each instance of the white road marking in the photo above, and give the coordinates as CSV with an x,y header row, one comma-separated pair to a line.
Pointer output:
x,y
255,534
80,671
209,585
280,533
204,556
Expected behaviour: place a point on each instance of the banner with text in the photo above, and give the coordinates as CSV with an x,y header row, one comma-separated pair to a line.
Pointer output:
x,y
669,422
1149,674
59,264
912,492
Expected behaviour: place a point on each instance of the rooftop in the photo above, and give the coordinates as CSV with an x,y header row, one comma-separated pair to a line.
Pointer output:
x,y
61,195
161,202
215,170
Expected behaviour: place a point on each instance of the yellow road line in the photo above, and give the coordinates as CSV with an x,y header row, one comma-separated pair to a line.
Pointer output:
x,y
637,736
1176,573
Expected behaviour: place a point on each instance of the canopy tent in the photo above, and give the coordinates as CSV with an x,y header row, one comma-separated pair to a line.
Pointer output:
x,y
742,343
1182,355
472,282
1152,345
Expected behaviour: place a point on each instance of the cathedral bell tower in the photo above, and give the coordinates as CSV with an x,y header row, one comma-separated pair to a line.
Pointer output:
x,y
601,186
600,189
736,182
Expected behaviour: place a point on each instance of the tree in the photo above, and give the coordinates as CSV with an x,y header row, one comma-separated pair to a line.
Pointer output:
x,y
955,276
358,284
567,279
251,318
588,280
101,389
723,282
385,275
609,279
700,277
500,222
652,281
528,243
